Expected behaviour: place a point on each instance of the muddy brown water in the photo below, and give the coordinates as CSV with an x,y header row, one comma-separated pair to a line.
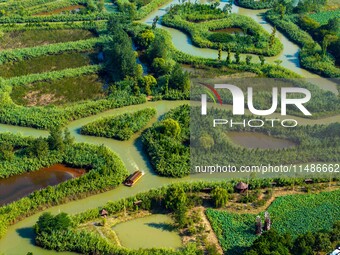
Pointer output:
x,y
18,186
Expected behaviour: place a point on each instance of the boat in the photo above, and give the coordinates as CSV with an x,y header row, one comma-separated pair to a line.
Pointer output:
x,y
133,178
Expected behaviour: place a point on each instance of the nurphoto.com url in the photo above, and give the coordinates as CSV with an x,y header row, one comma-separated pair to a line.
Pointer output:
x,y
265,169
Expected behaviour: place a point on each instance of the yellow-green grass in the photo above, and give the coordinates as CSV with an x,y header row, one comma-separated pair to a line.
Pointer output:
x,y
47,63
58,92
31,38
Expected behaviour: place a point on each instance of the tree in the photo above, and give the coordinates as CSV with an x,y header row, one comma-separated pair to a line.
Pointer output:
x,y
145,38
179,79
120,57
303,244
282,9
171,127
68,138
262,60
47,223
248,59
154,22
176,201
149,81
100,5
323,242
219,57
272,37
206,141
157,49
219,196
161,67
237,57
6,151
55,139
228,56
228,7
38,148
129,9
327,40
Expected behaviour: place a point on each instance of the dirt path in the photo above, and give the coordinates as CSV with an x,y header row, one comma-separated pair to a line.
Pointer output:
x,y
211,236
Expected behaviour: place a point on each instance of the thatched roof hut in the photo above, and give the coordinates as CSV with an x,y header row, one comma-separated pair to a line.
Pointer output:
x,y
103,213
241,187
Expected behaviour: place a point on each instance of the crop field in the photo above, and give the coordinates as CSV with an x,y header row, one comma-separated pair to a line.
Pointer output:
x,y
324,17
31,38
46,63
58,92
293,214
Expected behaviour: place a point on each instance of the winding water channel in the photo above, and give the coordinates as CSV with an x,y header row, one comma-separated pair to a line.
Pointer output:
x,y
20,237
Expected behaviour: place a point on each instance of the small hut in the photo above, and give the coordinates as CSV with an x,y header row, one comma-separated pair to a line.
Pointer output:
x,y
139,202
309,181
103,213
241,187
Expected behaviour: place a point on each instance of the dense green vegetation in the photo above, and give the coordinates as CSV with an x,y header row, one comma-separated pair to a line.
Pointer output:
x,y
138,9
253,4
255,39
35,37
309,243
166,143
293,215
120,127
58,92
317,39
105,171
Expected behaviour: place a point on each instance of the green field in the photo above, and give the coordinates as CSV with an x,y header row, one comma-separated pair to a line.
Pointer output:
x,y
31,38
324,17
293,214
57,92
46,63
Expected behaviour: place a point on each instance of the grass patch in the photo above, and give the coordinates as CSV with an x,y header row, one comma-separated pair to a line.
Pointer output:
x,y
120,127
293,214
57,92
324,17
47,63
64,10
31,38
